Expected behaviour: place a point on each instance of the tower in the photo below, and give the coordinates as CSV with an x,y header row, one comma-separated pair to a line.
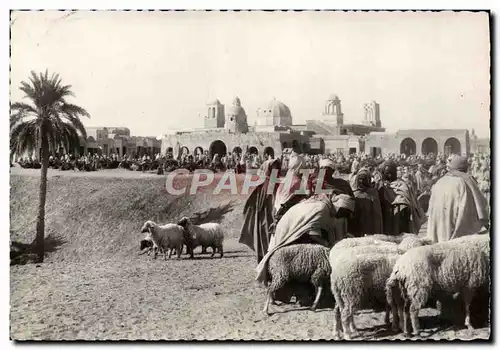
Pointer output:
x,y
333,110
236,118
215,115
372,114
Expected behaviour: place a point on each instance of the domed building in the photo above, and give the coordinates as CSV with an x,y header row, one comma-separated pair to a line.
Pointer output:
x,y
236,118
276,113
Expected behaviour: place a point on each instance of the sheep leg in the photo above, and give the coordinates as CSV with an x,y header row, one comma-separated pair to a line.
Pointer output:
x,y
269,300
169,253
401,318
213,251
345,318
179,251
203,250
387,318
352,325
414,319
336,322
319,290
466,296
406,320
221,251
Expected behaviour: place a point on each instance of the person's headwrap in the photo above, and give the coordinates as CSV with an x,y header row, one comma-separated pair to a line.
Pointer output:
x,y
458,163
343,201
326,163
295,162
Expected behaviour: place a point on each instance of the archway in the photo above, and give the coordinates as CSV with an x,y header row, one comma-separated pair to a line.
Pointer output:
x,y
429,146
305,147
198,151
169,150
408,146
296,146
269,151
218,147
452,146
184,150
253,150
237,150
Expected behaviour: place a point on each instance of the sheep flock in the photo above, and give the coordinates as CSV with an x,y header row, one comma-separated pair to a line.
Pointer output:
x,y
396,274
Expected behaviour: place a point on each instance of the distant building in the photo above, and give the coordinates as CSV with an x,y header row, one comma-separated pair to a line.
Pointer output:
x,y
117,140
227,130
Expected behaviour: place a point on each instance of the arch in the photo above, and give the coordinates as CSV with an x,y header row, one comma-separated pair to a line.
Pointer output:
x,y
429,145
296,146
169,150
217,147
253,150
408,146
269,151
452,146
184,150
237,150
198,151
305,147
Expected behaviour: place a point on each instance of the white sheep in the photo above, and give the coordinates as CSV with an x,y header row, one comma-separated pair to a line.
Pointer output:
x,y
358,281
302,263
205,235
459,267
168,236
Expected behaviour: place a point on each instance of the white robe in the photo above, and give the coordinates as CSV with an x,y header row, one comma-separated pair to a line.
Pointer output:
x,y
456,208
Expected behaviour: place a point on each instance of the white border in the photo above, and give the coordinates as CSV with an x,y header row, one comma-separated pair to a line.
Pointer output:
x,y
186,4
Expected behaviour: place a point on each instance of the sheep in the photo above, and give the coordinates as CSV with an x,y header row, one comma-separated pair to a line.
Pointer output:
x,y
410,242
459,267
205,235
301,263
168,236
358,281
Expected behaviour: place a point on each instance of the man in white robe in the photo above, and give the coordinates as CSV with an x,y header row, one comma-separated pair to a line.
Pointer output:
x,y
457,207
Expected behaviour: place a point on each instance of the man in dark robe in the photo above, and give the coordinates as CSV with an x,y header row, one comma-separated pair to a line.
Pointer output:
x,y
367,218
258,214
401,212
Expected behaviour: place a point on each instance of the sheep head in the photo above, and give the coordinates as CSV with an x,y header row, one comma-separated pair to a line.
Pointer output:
x,y
184,222
146,243
148,225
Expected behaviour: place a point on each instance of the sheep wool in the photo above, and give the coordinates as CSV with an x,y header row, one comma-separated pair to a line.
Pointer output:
x,y
459,267
358,279
299,263
165,237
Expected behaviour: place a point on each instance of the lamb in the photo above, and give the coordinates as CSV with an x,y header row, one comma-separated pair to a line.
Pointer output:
x,y
358,279
459,267
205,235
301,263
168,236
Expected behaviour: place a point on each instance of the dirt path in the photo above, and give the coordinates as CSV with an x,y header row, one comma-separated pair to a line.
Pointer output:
x,y
201,299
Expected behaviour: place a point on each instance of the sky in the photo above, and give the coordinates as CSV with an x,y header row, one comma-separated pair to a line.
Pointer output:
x,y
154,72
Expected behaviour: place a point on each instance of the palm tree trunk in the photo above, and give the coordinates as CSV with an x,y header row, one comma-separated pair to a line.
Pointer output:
x,y
40,225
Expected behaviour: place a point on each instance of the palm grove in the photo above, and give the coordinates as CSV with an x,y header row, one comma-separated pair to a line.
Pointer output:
x,y
44,122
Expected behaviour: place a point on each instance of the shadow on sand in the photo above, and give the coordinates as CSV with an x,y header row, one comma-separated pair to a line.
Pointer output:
x,y
23,253
215,214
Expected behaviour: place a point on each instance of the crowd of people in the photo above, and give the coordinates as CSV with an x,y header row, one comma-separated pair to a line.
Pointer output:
x,y
390,195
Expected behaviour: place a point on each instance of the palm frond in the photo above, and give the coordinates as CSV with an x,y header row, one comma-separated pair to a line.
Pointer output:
x,y
54,119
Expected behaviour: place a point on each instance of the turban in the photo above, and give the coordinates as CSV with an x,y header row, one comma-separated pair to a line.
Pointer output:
x,y
458,163
295,162
326,163
343,201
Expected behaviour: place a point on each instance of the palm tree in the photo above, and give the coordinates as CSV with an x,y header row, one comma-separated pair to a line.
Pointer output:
x,y
45,124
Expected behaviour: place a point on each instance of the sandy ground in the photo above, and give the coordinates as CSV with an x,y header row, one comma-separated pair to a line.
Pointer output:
x,y
135,297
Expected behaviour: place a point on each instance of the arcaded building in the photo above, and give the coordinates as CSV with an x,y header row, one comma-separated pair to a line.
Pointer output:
x,y
226,130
